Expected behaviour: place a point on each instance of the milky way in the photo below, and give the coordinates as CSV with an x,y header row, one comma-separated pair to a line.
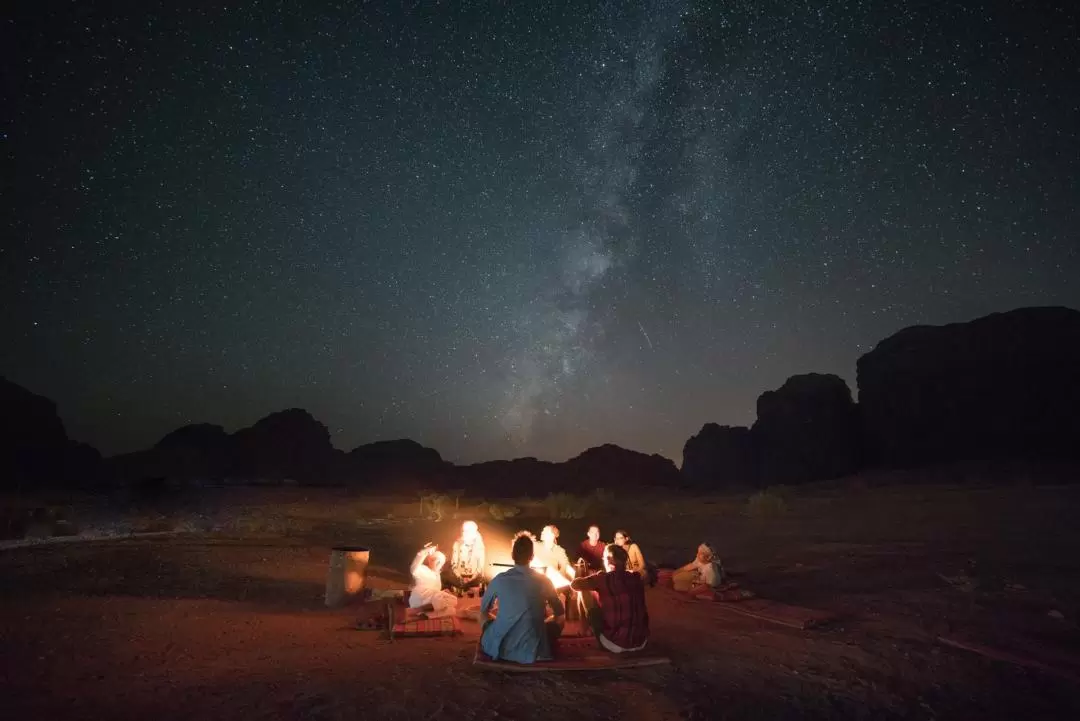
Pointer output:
x,y
509,229
624,83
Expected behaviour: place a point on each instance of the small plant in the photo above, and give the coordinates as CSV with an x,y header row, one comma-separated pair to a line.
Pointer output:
x,y
435,506
499,511
425,495
766,503
567,506
604,497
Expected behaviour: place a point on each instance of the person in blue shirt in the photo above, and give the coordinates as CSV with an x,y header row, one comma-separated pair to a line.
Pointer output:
x,y
522,631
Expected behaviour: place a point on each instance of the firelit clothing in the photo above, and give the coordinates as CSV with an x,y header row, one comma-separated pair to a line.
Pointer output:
x,y
635,560
554,558
593,555
621,597
467,560
518,633
427,586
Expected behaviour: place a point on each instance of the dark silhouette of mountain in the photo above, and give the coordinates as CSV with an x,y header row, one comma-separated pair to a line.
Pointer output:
x,y
807,430
721,457
289,444
1005,385
607,466
34,446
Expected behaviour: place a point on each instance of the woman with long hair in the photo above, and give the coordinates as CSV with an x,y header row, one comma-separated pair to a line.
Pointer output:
x,y
636,560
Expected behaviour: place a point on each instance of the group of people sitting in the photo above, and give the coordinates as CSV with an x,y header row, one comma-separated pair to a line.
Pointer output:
x,y
436,586
523,610
531,613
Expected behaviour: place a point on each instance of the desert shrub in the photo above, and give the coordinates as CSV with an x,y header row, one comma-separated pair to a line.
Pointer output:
x,y
436,506
150,523
257,522
426,494
40,522
767,503
456,494
501,511
568,505
604,497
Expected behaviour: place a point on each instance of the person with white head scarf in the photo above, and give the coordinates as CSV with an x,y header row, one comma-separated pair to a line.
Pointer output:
x,y
467,559
428,599
703,574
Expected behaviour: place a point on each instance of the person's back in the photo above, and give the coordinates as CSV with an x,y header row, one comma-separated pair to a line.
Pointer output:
x,y
622,621
519,632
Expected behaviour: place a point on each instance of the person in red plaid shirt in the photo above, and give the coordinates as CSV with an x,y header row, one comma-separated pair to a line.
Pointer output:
x,y
615,599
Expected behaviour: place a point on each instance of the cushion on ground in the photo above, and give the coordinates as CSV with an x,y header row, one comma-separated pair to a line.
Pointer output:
x,y
576,654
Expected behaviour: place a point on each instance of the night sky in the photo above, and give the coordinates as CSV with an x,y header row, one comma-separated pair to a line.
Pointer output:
x,y
515,228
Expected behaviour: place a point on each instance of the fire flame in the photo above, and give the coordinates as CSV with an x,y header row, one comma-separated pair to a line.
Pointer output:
x,y
557,579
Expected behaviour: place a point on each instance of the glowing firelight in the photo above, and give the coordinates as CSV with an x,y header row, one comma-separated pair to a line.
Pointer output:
x,y
500,564
559,580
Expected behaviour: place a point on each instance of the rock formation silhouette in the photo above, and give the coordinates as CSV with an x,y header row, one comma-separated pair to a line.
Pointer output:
x,y
34,446
807,430
721,457
1005,385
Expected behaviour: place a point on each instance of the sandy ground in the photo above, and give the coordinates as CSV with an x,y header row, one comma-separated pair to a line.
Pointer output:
x,y
229,626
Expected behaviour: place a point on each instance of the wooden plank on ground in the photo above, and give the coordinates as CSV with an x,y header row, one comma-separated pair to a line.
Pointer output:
x,y
1004,656
780,613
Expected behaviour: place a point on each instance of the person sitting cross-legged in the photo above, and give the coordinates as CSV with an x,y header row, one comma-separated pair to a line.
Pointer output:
x,y
467,561
591,550
428,599
635,560
700,576
521,631
615,603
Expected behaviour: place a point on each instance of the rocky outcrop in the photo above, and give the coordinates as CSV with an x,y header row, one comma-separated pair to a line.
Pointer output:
x,y
509,478
608,466
720,457
34,446
289,444
1005,385
402,462
807,430
611,467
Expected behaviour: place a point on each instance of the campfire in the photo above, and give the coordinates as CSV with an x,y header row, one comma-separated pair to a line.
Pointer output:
x,y
559,580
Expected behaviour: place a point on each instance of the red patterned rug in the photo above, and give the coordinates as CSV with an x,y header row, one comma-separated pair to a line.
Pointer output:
x,y
426,628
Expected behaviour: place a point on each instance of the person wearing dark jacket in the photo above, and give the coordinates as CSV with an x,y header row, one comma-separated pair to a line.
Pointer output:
x,y
615,603
592,550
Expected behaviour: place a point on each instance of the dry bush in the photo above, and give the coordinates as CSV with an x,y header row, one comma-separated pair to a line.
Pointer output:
x,y
258,522
500,511
767,503
572,506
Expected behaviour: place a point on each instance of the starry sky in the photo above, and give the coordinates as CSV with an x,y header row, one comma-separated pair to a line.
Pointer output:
x,y
515,228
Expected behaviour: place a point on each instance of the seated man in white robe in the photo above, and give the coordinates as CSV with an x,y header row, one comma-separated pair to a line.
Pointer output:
x,y
428,599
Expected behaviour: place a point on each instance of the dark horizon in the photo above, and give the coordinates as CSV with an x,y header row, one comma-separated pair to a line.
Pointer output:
x,y
512,231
